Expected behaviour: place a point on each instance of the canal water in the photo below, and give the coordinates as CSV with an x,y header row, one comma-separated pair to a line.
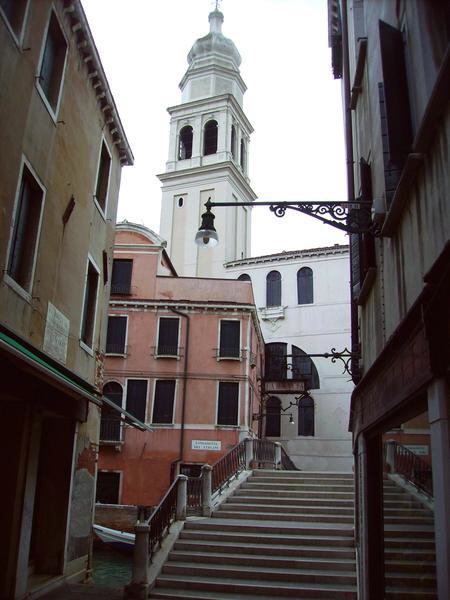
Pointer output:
x,y
111,568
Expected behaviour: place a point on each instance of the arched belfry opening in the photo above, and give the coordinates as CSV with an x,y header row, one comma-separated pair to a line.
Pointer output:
x,y
210,137
185,144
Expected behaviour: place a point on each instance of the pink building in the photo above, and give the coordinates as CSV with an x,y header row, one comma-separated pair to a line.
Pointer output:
x,y
184,355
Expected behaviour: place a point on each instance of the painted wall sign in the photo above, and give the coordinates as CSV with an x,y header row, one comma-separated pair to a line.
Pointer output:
x,y
56,333
206,445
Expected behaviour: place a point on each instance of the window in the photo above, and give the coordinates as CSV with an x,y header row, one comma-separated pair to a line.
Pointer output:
x,y
304,369
273,289
233,142
180,202
306,416
273,417
26,230
110,424
228,405
116,335
210,138
104,167
164,401
168,336
52,65
121,276
137,398
305,286
244,277
276,361
108,487
90,301
243,154
185,145
230,338
14,11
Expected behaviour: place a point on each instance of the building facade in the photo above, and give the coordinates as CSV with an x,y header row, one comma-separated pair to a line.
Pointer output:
x,y
302,299
60,167
208,158
394,61
184,355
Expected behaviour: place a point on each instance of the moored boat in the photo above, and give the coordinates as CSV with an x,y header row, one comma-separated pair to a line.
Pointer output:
x,y
119,540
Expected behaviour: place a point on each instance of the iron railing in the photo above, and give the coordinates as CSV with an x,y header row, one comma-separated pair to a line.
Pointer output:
x,y
162,518
111,430
264,451
165,350
116,348
194,496
229,352
227,467
413,468
286,461
121,288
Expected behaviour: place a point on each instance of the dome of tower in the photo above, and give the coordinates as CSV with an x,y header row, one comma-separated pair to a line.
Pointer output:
x,y
215,43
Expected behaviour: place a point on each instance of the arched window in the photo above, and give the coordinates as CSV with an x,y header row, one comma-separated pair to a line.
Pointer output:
x,y
273,289
110,424
244,277
304,369
243,154
233,142
185,146
305,286
273,417
306,416
210,138
276,361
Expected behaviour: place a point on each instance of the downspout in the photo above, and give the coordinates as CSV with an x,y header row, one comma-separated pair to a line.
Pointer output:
x,y
185,371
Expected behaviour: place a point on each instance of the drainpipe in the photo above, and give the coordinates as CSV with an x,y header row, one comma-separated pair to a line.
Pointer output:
x,y
185,371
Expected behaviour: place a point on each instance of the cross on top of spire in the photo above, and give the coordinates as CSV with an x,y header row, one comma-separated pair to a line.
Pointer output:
x,y
217,4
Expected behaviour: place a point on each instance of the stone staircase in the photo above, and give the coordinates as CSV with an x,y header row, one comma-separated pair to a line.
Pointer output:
x,y
409,546
281,534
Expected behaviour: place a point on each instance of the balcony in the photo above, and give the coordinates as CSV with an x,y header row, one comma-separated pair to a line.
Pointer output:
x,y
111,430
120,289
232,353
166,351
116,349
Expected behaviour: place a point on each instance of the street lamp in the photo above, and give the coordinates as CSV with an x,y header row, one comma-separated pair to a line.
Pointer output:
x,y
207,235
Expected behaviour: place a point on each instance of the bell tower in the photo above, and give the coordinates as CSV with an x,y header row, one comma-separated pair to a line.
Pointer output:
x,y
208,158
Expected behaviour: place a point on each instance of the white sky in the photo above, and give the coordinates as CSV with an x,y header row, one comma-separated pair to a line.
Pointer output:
x,y
292,101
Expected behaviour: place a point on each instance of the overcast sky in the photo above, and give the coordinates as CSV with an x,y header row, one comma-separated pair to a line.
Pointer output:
x,y
292,101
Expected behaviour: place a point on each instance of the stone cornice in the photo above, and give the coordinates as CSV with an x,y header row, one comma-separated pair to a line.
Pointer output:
x,y
292,255
210,70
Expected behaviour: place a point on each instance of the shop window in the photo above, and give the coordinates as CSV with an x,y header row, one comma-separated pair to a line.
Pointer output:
x,y
210,138
163,403
52,66
228,403
168,336
26,230
306,416
305,291
273,289
89,305
121,276
185,145
230,338
108,487
104,168
116,335
137,398
273,417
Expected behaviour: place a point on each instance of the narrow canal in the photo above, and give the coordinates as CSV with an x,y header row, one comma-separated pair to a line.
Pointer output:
x,y
111,568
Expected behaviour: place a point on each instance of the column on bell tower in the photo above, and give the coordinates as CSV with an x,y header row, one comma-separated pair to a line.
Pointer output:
x,y
209,133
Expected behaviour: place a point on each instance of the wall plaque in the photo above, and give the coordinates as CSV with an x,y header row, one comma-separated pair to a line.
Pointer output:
x,y
206,445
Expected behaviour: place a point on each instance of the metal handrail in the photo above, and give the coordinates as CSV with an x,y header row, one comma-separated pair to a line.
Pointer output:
x,y
194,496
162,517
287,462
228,466
264,451
413,468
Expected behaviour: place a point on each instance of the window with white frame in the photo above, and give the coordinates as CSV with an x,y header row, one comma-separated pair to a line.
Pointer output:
x,y
121,276
116,334
305,286
111,420
51,70
168,336
137,398
104,169
230,338
14,13
273,289
27,220
89,305
163,402
228,403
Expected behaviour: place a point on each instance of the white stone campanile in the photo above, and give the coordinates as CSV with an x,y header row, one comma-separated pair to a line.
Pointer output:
x,y
208,158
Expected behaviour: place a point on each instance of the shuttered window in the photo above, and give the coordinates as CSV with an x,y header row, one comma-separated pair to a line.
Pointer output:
x,y
305,291
273,417
168,336
137,398
52,65
306,416
111,422
116,335
121,276
276,361
230,332
228,404
164,401
273,289
395,112
108,487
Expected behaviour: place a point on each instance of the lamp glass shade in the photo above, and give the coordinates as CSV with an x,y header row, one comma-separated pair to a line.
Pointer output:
x,y
207,238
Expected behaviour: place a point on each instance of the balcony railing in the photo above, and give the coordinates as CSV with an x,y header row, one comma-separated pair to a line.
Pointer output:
x,y
161,351
121,289
231,352
116,349
110,430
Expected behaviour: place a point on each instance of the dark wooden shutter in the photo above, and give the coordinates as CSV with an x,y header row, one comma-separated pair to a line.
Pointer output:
x,y
108,487
276,361
116,334
367,239
305,291
163,403
230,339
306,417
168,336
137,398
273,289
121,276
227,413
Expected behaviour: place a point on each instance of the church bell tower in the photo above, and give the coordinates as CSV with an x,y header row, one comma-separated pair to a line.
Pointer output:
x,y
208,158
